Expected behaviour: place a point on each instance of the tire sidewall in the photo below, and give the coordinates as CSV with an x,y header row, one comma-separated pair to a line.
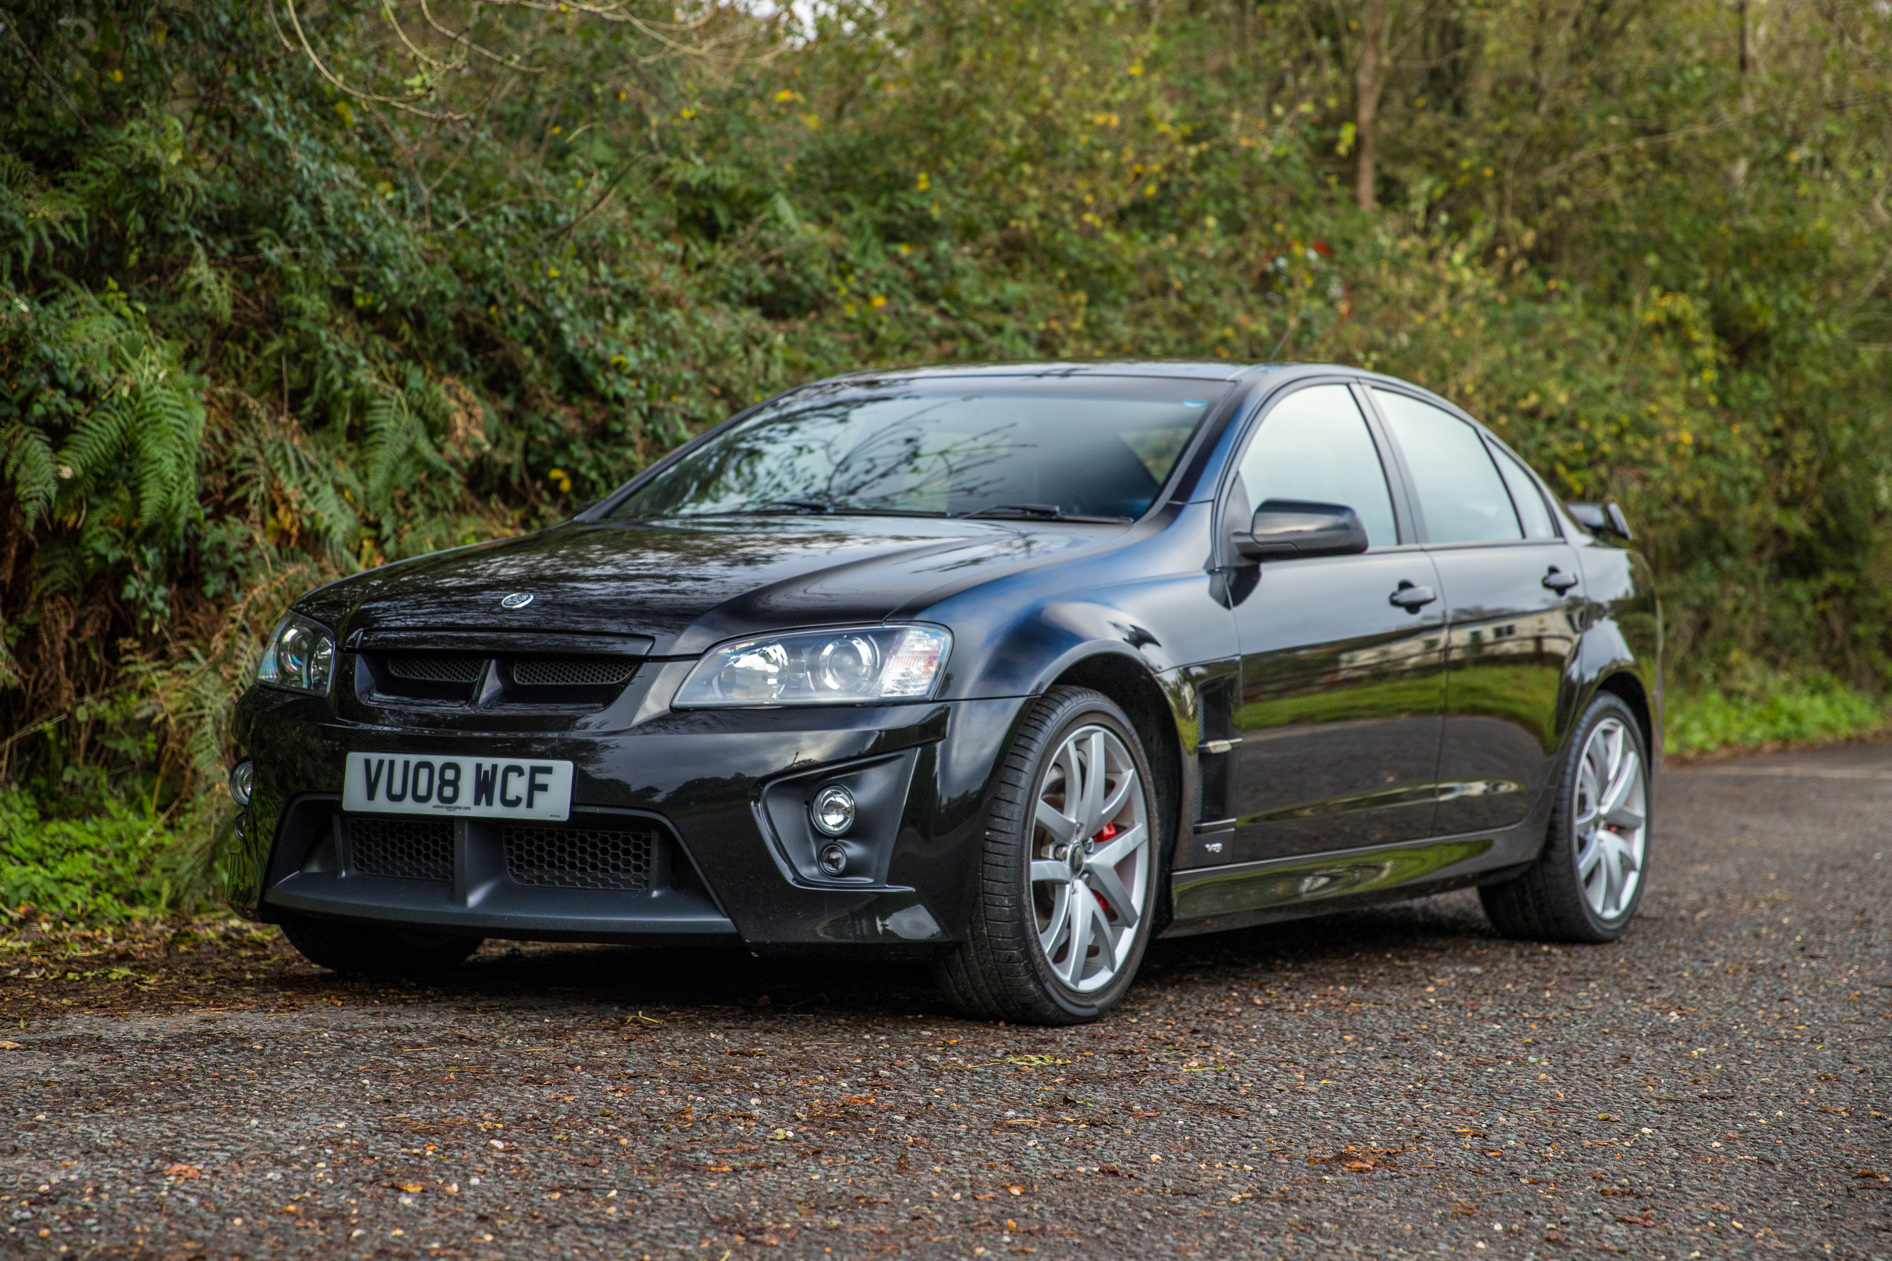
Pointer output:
x,y
1565,842
1091,709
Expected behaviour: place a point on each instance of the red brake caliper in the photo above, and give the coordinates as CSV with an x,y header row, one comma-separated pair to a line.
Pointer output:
x,y
1109,830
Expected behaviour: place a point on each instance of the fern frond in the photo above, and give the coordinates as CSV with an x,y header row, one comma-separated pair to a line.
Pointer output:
x,y
26,459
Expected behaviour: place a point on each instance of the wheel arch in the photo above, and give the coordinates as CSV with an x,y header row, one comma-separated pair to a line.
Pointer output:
x,y
1127,682
1629,688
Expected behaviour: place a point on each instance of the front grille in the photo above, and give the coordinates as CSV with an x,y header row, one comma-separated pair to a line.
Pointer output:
x,y
436,667
412,849
572,671
579,858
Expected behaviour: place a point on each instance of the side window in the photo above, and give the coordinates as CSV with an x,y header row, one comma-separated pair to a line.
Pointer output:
x,y
1524,493
1460,492
1314,445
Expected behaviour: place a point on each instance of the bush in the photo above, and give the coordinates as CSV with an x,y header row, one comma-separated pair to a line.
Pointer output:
x,y
117,863
1777,709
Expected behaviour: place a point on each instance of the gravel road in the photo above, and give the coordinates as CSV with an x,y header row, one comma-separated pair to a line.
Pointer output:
x,y
1391,1083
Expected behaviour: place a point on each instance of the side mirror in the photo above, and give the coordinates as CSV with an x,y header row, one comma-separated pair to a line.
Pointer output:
x,y
1601,519
1286,528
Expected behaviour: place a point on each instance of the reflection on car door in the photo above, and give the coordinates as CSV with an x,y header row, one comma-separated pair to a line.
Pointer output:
x,y
1512,589
1342,688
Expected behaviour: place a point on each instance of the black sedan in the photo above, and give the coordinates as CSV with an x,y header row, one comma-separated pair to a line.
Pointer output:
x,y
1009,668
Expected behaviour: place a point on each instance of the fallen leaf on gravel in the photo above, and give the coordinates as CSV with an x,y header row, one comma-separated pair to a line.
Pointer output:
x,y
181,1170
9,1046
1867,1173
1555,1236
641,1019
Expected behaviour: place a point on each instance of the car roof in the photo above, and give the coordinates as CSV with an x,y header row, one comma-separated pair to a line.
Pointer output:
x,y
1189,369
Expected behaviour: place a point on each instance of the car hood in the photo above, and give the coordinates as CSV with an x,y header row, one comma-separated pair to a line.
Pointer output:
x,y
687,585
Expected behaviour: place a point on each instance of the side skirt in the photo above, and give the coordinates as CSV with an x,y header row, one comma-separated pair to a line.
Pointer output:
x,y
1210,899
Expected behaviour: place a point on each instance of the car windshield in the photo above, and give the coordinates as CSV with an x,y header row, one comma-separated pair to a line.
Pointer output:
x,y
1026,447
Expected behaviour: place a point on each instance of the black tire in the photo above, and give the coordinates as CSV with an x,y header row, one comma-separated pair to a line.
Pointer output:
x,y
356,948
1548,902
1000,972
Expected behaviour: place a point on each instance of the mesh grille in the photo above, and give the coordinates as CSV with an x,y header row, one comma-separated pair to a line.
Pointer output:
x,y
435,668
413,849
572,671
579,858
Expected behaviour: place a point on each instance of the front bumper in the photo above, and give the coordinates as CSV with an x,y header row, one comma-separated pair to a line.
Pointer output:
x,y
719,797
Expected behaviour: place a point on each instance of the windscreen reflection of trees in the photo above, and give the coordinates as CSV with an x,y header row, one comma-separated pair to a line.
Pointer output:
x,y
1103,456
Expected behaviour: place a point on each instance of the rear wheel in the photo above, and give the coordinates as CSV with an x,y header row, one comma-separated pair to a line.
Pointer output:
x,y
364,949
1067,885
1587,883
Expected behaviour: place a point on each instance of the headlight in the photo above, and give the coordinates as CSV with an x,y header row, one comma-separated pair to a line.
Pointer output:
x,y
299,656
883,663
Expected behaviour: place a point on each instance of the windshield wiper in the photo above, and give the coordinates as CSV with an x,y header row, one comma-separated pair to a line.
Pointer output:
x,y
1049,512
796,505
1037,512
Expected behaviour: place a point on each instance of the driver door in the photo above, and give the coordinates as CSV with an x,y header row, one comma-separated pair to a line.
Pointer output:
x,y
1342,702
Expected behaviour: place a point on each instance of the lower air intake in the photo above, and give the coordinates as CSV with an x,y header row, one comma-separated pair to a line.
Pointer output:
x,y
410,849
579,858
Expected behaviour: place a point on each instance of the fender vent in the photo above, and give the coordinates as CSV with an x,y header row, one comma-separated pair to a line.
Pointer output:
x,y
406,848
579,858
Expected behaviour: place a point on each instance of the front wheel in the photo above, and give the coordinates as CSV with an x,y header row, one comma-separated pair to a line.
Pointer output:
x,y
1588,881
384,950
1068,879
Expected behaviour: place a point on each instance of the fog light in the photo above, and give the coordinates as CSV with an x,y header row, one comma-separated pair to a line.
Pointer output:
x,y
242,781
833,860
833,811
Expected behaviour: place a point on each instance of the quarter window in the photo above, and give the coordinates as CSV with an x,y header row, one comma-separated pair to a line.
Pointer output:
x,y
1460,492
1524,493
1314,445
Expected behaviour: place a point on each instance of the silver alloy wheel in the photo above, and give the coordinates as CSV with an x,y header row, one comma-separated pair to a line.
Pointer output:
x,y
1611,819
1090,858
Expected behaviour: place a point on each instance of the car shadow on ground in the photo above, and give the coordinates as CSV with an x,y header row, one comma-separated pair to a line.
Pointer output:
x,y
679,979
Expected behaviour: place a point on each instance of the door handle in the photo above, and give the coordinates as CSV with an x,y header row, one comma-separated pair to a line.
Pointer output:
x,y
1411,598
1559,581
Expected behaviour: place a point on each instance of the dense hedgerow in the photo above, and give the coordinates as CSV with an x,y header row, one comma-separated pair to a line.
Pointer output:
x,y
290,290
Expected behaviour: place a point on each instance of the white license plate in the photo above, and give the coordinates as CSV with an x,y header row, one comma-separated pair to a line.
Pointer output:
x,y
481,787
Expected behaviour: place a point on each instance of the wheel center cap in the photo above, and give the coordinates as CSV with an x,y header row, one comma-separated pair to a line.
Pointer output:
x,y
1077,858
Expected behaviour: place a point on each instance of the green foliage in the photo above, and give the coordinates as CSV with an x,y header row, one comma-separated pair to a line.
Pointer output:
x,y
284,298
1772,709
117,863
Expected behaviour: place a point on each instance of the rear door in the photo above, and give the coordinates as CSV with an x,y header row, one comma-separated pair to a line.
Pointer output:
x,y
1342,690
1513,594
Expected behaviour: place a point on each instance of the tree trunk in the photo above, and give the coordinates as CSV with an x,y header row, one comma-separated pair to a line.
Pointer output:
x,y
1369,78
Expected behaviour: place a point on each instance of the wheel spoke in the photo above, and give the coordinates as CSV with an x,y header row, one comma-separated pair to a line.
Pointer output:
x,y
1110,884
1119,847
1049,936
1061,826
1627,773
1589,855
1080,917
1102,934
1090,812
1050,871
1612,871
1113,804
